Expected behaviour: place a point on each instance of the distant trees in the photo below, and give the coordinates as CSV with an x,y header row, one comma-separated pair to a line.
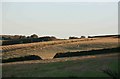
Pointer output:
x,y
48,38
19,39
76,37
73,38
5,37
10,37
82,36
22,37
34,36
89,36
16,37
102,36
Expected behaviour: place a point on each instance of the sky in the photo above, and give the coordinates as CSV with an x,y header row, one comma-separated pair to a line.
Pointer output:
x,y
60,19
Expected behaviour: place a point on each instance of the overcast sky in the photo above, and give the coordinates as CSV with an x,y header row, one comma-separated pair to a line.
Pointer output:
x,y
60,19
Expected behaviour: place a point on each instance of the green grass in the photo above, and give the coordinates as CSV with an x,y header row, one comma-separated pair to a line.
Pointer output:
x,y
75,68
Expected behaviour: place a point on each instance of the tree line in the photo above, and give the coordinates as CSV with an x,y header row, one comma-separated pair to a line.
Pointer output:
x,y
18,39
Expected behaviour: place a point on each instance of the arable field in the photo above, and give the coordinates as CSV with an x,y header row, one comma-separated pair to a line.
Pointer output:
x,y
47,50
106,56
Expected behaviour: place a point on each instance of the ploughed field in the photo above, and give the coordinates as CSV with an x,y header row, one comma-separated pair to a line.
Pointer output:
x,y
48,50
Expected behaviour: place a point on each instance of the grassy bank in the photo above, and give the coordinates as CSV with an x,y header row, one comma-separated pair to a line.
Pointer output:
x,y
72,68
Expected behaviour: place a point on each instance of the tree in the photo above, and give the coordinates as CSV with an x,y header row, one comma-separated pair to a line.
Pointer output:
x,y
34,36
82,36
22,37
73,38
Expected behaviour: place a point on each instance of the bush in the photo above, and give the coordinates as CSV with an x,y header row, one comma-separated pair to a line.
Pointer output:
x,y
34,36
82,36
73,38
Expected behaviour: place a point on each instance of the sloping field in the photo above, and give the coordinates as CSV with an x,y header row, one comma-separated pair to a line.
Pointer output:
x,y
88,66
102,53
21,46
47,50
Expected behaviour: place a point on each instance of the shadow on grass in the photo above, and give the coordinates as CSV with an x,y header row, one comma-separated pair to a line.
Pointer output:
x,y
25,58
111,73
84,53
